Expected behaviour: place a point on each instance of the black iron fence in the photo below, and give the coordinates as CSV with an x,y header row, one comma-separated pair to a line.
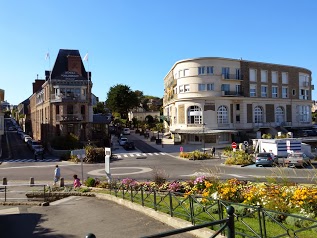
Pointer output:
x,y
249,221
18,192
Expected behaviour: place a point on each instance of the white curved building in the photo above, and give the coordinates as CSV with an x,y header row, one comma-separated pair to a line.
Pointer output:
x,y
215,100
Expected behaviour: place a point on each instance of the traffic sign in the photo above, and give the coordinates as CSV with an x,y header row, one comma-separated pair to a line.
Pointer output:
x,y
234,145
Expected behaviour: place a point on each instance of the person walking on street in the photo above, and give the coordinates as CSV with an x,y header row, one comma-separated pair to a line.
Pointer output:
x,y
213,152
57,174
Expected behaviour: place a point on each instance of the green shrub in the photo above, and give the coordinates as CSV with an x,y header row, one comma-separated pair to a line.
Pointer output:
x,y
65,156
239,158
90,182
94,154
69,142
195,155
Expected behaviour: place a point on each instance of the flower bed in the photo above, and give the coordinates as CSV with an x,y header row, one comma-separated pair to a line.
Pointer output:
x,y
299,199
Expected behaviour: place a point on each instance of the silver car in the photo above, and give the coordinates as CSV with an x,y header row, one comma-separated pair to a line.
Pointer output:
x,y
297,159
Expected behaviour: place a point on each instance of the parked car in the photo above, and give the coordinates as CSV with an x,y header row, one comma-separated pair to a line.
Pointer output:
x,y
22,135
38,151
297,159
19,131
126,131
25,138
122,141
129,145
265,159
305,133
32,143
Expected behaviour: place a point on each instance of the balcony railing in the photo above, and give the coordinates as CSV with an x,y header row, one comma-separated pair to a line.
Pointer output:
x,y
68,97
232,93
232,76
69,117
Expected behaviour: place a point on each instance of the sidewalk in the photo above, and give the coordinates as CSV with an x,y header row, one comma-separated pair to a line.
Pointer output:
x,y
168,146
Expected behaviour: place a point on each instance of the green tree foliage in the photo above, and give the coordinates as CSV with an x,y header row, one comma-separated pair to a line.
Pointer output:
x,y
99,108
122,99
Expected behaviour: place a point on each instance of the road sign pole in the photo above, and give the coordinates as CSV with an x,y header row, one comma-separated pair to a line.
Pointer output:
x,y
107,163
234,146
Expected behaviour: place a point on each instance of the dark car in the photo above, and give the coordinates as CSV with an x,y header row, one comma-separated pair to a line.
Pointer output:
x,y
265,159
129,145
32,143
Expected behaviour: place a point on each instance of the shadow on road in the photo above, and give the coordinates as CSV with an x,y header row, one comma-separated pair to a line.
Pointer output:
x,y
26,226
144,147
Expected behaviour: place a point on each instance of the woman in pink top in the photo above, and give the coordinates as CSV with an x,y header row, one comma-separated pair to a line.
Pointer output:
x,y
77,183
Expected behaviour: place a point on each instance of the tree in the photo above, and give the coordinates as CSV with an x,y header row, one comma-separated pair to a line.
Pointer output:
x,y
122,99
99,108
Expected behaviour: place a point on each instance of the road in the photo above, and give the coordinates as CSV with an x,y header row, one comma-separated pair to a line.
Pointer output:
x,y
142,164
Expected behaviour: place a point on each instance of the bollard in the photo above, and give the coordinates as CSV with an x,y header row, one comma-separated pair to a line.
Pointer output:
x,y
219,155
4,181
61,183
31,182
90,235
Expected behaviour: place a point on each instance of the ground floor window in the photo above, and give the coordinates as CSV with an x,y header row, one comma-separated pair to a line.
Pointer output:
x,y
194,138
223,137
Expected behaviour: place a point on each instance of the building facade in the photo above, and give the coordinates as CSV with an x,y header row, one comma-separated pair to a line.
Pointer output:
x,y
217,100
61,103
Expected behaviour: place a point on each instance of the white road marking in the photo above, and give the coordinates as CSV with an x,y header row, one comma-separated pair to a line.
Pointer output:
x,y
101,172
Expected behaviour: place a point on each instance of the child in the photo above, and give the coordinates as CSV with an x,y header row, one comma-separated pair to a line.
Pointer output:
x,y
77,183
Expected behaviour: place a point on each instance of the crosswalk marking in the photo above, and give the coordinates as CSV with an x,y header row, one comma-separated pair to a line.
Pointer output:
x,y
30,160
137,155
120,155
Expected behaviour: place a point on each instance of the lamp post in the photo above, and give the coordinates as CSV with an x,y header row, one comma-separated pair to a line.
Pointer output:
x,y
204,137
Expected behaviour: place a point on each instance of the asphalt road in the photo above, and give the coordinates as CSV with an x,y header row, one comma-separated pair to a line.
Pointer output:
x,y
76,217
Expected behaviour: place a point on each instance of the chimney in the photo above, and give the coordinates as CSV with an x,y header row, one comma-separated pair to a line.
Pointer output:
x,y
37,85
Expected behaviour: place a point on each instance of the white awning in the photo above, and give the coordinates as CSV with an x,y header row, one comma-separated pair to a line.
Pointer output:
x,y
179,131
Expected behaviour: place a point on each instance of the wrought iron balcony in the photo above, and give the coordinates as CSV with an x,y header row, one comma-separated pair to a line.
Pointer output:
x,y
68,97
232,76
69,117
232,93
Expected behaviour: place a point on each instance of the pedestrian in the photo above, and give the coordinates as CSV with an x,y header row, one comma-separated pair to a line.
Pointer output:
x,y
57,174
77,183
213,152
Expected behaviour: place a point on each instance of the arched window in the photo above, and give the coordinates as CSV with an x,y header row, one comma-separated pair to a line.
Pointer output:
x,y
222,115
279,115
194,115
258,114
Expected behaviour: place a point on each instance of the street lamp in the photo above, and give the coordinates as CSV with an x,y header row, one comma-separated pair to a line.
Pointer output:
x,y
204,124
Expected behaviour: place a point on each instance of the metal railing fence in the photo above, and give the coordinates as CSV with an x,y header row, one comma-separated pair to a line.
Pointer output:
x,y
250,221
17,192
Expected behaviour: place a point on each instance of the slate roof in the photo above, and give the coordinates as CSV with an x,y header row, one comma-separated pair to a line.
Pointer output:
x,y
102,118
61,64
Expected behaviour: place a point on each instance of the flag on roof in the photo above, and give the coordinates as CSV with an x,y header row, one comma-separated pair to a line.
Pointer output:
x,y
86,57
47,56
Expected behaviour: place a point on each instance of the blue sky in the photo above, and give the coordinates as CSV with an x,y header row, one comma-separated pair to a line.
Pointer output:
x,y
137,42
